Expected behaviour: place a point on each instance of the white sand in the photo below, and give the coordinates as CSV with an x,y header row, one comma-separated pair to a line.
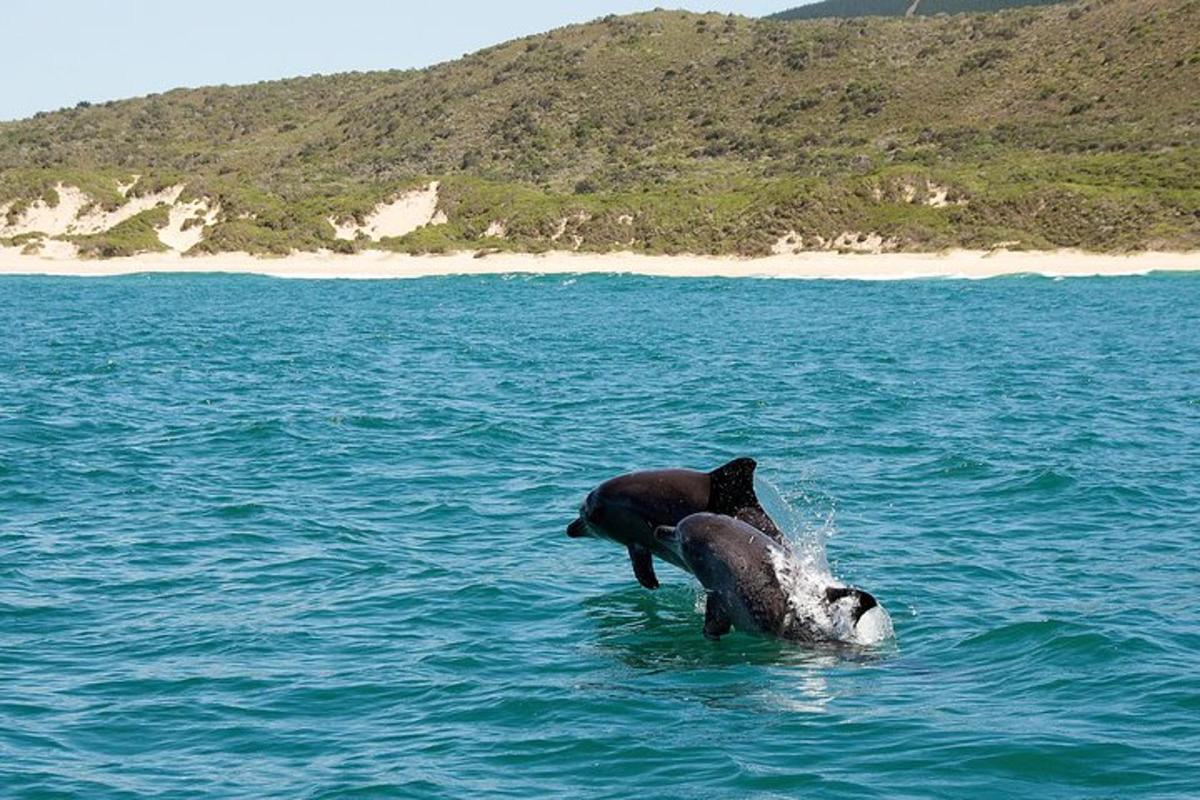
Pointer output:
x,y
880,266
399,217
793,244
178,239
794,256
41,218
70,217
126,188
98,221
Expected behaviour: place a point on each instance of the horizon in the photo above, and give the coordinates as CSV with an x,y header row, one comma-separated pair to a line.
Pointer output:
x,y
161,48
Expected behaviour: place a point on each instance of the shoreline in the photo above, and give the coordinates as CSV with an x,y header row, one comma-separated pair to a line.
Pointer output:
x,y
379,265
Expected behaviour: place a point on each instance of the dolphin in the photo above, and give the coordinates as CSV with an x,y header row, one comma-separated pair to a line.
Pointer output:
x,y
755,585
628,509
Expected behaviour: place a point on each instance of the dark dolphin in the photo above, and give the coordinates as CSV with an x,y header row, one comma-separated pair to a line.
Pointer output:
x,y
628,509
740,568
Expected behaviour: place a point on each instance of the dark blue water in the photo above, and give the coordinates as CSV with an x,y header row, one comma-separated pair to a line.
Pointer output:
x,y
272,539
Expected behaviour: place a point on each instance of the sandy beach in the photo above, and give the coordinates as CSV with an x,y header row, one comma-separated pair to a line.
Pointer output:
x,y
811,265
851,256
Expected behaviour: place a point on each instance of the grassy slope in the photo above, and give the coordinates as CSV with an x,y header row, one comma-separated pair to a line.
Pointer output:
x,y
898,8
1069,125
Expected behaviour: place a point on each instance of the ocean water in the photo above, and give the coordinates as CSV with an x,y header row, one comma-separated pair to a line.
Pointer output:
x,y
276,539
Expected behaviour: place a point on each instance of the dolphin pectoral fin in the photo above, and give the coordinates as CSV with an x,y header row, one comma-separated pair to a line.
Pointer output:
x,y
643,566
716,619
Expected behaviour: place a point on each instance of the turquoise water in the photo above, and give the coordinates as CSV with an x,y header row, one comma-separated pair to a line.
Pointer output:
x,y
271,539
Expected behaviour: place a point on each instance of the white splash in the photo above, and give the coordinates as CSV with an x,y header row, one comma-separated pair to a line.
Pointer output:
x,y
874,627
805,574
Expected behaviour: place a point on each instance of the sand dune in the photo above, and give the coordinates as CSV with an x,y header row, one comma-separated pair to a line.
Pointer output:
x,y
185,226
77,213
399,217
851,255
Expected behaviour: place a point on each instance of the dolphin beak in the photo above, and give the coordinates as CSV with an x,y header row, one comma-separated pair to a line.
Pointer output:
x,y
577,529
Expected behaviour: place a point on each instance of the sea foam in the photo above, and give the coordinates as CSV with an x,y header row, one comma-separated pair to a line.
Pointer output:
x,y
804,574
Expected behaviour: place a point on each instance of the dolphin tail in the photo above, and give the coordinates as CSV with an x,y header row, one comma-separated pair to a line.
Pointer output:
x,y
732,493
864,601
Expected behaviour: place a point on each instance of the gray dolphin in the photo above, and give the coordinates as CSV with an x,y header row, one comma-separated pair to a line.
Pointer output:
x,y
749,586
629,508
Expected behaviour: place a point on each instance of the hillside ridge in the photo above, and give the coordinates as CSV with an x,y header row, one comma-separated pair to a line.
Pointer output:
x,y
665,132
848,9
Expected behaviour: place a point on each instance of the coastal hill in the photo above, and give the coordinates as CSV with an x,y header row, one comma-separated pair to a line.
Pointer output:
x,y
1072,125
901,8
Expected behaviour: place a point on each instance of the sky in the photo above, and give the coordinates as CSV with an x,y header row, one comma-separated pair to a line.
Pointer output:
x,y
57,53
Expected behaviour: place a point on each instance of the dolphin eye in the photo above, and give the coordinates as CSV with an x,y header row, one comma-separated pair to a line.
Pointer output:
x,y
591,508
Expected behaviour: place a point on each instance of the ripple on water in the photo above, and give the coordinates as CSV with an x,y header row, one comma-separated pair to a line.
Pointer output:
x,y
281,539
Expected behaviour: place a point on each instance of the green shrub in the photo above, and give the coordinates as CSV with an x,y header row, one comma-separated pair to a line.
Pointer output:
x,y
982,60
132,237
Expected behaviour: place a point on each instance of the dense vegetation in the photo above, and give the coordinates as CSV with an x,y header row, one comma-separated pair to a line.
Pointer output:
x,y
138,234
900,8
1069,125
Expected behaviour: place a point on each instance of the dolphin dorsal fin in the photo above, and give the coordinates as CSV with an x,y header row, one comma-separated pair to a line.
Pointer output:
x,y
731,492
732,487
